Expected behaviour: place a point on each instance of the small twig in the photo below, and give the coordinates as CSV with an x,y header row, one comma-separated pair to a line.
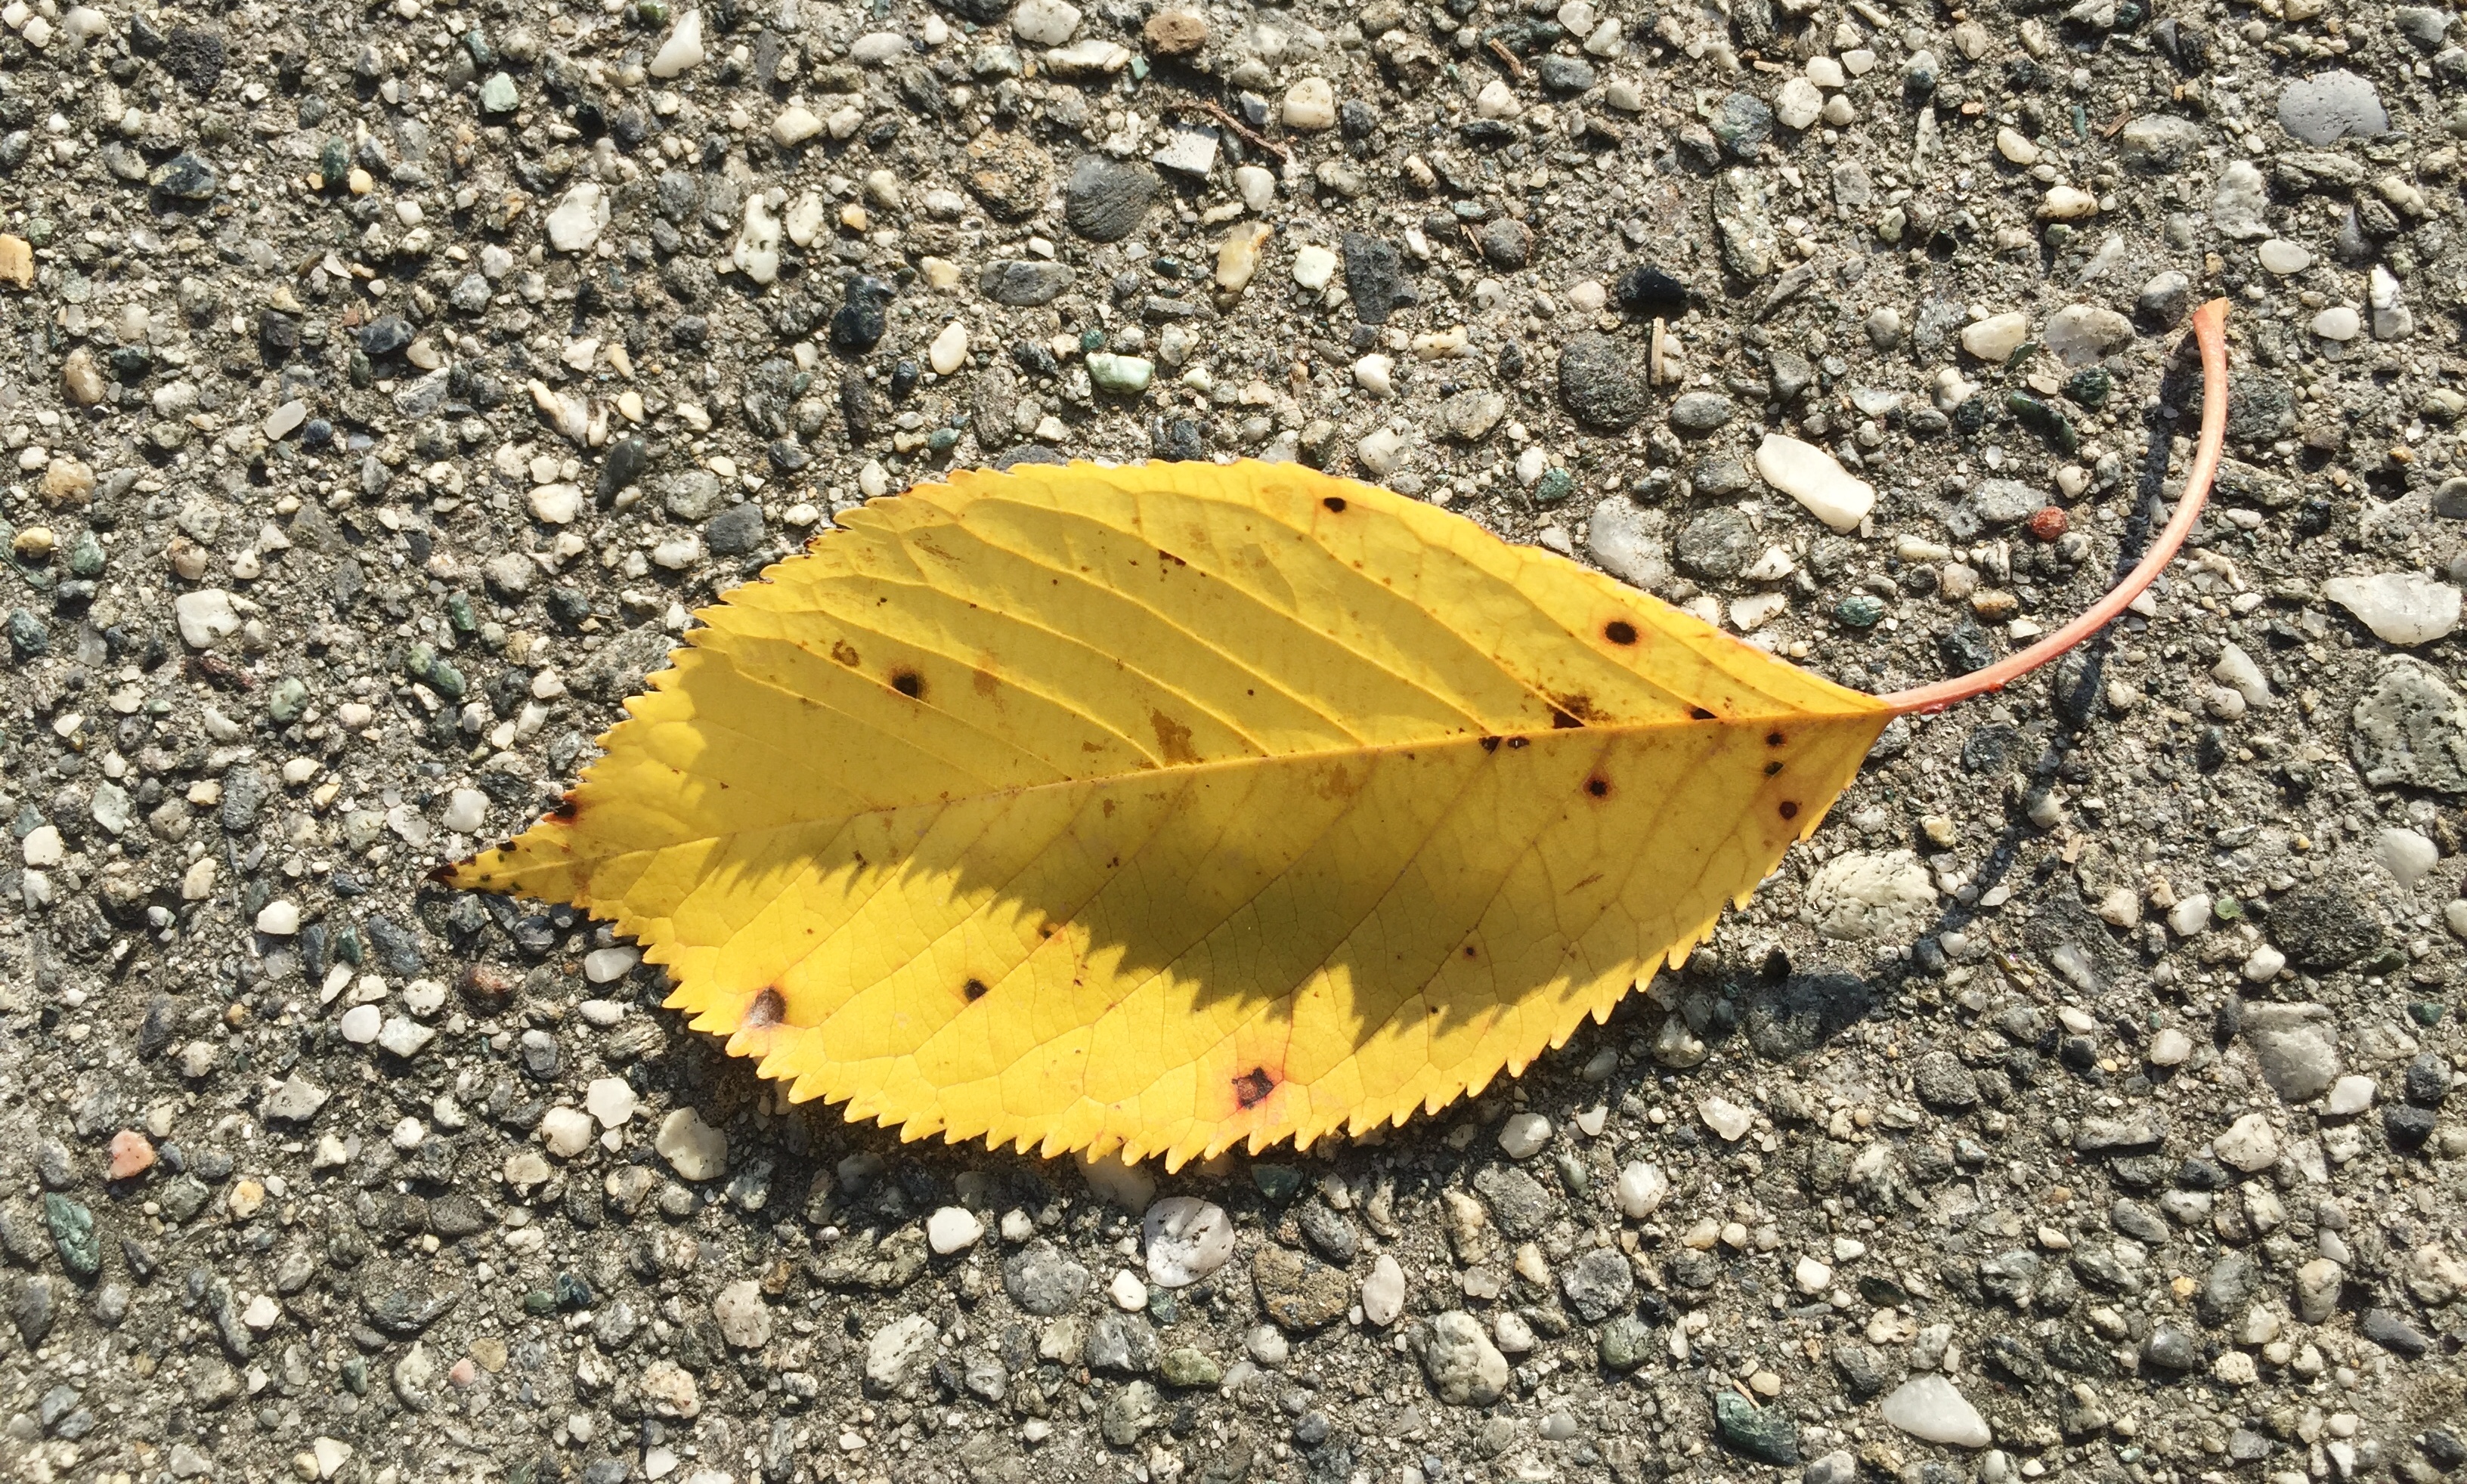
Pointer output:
x,y
1202,105
1515,68
2123,116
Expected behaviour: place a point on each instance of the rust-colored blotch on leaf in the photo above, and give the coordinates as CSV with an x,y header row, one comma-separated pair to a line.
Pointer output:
x,y
1162,809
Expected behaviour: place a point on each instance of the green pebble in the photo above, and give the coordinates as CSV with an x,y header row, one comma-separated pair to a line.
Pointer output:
x,y
1573,1172
2043,419
287,698
2226,909
497,95
1556,485
446,680
355,1376
2090,388
39,230
1859,610
651,13
72,1233
539,1301
1124,375
1626,1343
86,556
1767,1435
942,439
458,613
1277,1182
26,635
333,163
1185,1367
2426,1013
1092,340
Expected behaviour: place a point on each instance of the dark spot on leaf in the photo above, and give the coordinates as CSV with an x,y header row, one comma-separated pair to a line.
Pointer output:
x,y
1253,1086
1598,786
1773,739
909,684
845,653
1470,952
1335,503
1789,810
1698,714
1618,631
567,811
1561,720
974,989
1770,769
767,1009
1490,744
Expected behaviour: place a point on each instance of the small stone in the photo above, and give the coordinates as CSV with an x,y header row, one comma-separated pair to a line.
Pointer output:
x,y
1700,411
744,1319
1600,381
1121,375
2297,1047
567,1132
1465,1369
206,617
1383,1292
1105,199
1523,1135
16,261
295,1101
1175,33
132,1154
898,1354
1725,1118
1310,105
1812,477
1927,1406
682,51
2249,1144
2238,204
949,351
2350,1095
2082,335
1995,338
2329,106
1298,1292
2340,322
953,1229
1768,1435
1599,1283
2283,258
578,219
1641,1189
2400,607
1871,897
1186,1240
1045,22
694,1149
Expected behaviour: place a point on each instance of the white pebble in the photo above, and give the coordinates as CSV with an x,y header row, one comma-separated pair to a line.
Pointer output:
x,y
1375,374
566,1131
694,1149
359,1024
611,1100
1314,267
1995,338
1187,1239
467,809
950,348
2350,1095
1810,476
1812,1276
1522,1136
279,918
1643,1187
953,1229
1128,1290
2401,608
1724,1118
680,51
1383,1292
605,965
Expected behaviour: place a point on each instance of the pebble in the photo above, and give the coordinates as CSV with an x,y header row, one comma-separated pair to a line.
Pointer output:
x,y
2400,607
949,351
611,1101
2329,106
1995,338
744,1319
2249,1144
1383,1292
1725,1118
1187,1239
898,1354
680,51
1599,383
1310,105
953,1229
1464,1367
1812,477
694,1149
580,216
1523,1135
567,1132
1927,1406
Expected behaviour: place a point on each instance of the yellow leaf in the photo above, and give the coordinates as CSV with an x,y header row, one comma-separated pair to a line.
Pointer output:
x,y
1163,808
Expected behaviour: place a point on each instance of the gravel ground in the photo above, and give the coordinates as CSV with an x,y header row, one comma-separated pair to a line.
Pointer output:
x,y
384,387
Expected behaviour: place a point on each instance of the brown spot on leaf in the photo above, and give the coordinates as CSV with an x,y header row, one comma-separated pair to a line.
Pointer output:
x,y
1253,1086
909,684
1490,744
1335,503
1698,714
1173,738
1789,809
768,1008
1618,631
568,810
1775,739
1770,769
984,681
974,989
1164,556
1599,786
845,653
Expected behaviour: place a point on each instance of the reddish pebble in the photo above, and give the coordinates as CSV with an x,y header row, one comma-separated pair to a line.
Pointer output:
x,y
2048,523
462,1372
131,1154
